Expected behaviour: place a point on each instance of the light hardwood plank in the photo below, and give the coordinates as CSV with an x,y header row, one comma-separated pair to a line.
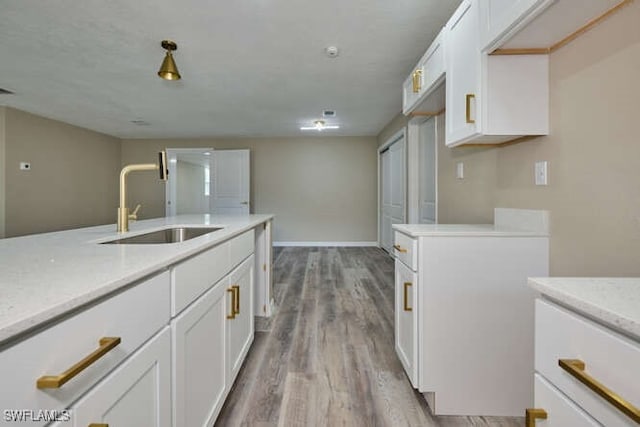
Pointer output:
x,y
327,356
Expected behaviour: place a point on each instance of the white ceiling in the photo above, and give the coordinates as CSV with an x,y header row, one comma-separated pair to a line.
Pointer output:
x,y
249,67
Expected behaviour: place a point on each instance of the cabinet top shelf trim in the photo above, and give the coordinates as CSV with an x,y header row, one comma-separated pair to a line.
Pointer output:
x,y
568,39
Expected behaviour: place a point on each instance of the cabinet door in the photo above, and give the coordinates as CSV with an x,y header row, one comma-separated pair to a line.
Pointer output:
x,y
433,67
239,326
199,359
463,73
138,393
561,411
406,320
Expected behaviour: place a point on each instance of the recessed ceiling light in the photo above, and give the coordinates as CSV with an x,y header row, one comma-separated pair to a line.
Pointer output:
x,y
319,125
207,153
332,51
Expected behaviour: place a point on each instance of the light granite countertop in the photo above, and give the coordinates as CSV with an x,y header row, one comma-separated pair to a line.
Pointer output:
x,y
612,301
43,276
467,230
507,223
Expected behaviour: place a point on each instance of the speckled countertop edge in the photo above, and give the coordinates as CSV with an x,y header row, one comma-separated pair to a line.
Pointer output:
x,y
45,276
615,302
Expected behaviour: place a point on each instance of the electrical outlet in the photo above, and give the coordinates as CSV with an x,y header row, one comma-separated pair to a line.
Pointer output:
x,y
541,173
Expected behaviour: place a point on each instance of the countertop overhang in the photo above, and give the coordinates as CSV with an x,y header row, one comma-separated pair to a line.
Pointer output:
x,y
614,302
44,276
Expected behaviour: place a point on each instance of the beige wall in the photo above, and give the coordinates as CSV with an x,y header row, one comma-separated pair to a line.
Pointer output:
x,y
593,152
2,171
321,189
391,128
73,181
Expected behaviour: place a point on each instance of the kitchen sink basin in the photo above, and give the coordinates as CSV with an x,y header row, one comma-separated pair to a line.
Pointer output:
x,y
169,235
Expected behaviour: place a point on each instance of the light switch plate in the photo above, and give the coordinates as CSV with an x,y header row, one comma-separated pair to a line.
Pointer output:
x,y
541,173
460,170
25,166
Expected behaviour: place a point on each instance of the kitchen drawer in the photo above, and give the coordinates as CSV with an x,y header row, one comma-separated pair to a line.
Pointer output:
x,y
193,277
561,411
240,247
134,315
610,358
405,249
137,393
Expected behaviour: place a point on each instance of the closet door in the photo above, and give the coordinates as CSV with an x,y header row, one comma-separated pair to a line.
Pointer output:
x,y
392,186
427,172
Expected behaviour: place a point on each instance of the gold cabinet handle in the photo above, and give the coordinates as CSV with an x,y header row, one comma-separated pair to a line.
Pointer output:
x,y
576,368
406,296
232,291
417,84
533,414
399,249
56,381
236,308
98,425
470,96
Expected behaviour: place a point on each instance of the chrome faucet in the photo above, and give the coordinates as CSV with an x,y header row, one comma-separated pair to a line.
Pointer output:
x,y
123,211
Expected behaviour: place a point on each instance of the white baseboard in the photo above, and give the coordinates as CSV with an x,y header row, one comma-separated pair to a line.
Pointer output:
x,y
324,244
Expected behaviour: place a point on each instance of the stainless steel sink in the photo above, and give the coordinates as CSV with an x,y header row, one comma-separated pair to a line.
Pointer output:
x,y
169,235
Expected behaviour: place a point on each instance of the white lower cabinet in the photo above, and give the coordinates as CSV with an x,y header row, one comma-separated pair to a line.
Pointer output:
x,y
137,393
577,356
198,337
239,324
406,320
464,315
559,410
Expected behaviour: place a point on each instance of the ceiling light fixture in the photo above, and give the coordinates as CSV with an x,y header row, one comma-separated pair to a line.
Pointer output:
x,y
319,125
169,70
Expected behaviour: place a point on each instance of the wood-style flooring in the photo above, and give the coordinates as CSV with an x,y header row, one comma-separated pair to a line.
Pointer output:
x,y
327,357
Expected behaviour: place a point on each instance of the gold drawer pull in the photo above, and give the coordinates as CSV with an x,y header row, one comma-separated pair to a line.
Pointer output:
x,y
236,308
406,296
470,96
533,414
98,425
417,84
56,381
400,249
576,369
232,291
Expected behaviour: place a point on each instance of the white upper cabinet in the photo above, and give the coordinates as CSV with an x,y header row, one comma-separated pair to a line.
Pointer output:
x,y
536,24
490,99
425,77
503,18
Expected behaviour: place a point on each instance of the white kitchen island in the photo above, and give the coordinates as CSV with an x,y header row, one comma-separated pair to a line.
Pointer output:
x,y
145,333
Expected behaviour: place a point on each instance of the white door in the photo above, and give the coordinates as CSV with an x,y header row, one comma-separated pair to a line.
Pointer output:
x,y
188,189
138,393
392,185
231,182
427,172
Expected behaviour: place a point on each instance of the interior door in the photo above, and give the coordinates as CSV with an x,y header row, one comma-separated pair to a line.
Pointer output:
x,y
231,182
427,172
392,183
188,189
